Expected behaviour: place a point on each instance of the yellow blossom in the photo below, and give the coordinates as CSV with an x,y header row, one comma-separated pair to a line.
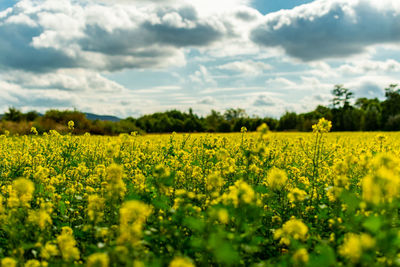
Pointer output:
x,y
40,218
48,251
354,245
98,260
133,215
23,191
296,195
115,187
293,228
95,208
276,178
240,192
323,126
71,125
223,216
8,262
32,263
301,256
67,244
181,262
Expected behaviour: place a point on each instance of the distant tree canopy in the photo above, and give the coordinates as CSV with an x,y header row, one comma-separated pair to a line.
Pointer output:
x,y
364,115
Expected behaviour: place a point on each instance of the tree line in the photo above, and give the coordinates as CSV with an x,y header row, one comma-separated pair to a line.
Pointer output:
x,y
346,114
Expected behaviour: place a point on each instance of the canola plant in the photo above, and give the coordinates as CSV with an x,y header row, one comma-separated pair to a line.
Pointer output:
x,y
245,199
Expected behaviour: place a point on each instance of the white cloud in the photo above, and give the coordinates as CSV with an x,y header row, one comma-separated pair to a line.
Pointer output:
x,y
47,35
330,28
208,100
202,77
247,67
370,86
370,66
203,7
64,79
279,82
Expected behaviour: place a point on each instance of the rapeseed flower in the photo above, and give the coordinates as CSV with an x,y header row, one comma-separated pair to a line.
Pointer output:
x,y
292,229
181,262
276,179
67,245
98,260
354,245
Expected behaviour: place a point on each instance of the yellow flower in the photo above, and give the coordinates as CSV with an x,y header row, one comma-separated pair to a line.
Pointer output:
x,y
240,192
32,263
23,190
354,245
67,244
8,262
71,125
115,187
323,126
301,256
263,128
95,208
381,186
296,195
98,260
293,228
223,216
181,262
133,215
341,181
214,182
34,131
40,218
276,178
49,251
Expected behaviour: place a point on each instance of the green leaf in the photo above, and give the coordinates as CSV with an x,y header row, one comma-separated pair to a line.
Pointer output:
x,y
323,256
194,224
373,224
223,250
62,207
351,200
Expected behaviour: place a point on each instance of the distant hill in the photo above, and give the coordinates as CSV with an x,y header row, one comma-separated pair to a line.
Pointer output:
x,y
92,117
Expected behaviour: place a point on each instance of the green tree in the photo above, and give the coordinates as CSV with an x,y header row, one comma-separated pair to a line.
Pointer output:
x,y
288,121
342,96
391,106
13,114
371,113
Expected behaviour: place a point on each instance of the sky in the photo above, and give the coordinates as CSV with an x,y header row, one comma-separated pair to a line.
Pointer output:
x,y
135,57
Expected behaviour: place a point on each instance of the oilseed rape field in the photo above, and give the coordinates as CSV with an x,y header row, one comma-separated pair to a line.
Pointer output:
x,y
243,199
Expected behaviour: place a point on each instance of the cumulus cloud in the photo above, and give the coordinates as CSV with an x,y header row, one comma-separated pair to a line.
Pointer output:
x,y
371,86
248,67
202,77
204,7
64,79
46,35
368,66
330,28
264,100
280,82
208,100
41,96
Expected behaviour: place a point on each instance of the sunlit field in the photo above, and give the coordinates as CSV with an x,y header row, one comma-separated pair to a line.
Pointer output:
x,y
251,199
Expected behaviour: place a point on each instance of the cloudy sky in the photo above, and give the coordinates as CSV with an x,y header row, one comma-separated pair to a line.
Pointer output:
x,y
133,57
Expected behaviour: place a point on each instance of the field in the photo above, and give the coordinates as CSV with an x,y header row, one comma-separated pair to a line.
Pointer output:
x,y
250,199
